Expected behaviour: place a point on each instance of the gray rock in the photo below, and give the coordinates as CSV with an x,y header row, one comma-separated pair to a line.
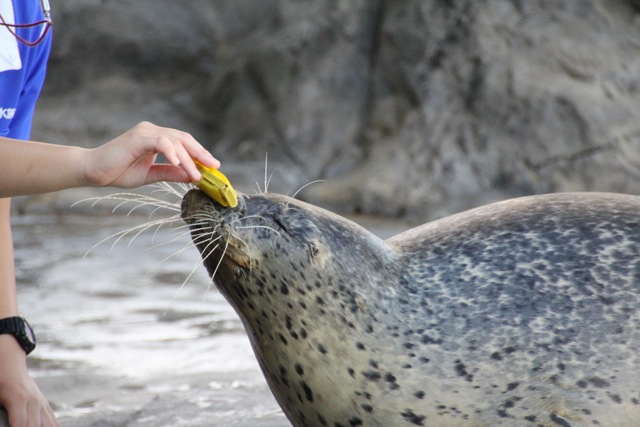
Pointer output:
x,y
408,108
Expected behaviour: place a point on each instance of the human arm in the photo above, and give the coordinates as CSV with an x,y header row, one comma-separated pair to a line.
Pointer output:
x,y
19,394
127,161
30,167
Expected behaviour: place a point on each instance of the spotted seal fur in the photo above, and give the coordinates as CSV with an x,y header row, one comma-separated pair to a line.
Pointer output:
x,y
520,313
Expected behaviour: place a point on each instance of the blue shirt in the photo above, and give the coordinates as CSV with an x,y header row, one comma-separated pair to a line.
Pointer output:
x,y
19,89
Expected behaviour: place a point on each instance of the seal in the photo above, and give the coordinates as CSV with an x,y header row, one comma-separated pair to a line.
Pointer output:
x,y
519,313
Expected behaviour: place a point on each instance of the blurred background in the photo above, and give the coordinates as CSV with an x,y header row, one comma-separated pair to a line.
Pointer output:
x,y
405,108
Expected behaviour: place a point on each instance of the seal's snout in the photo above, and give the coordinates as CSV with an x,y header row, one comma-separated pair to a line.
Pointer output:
x,y
190,201
196,201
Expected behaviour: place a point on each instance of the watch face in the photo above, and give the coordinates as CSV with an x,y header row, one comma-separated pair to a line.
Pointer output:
x,y
31,336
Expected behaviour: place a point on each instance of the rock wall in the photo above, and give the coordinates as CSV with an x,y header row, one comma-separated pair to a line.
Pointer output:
x,y
408,108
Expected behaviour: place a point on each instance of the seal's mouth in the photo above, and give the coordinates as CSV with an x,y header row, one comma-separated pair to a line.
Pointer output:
x,y
240,260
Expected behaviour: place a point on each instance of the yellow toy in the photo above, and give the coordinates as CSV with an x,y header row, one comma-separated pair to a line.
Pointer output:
x,y
216,186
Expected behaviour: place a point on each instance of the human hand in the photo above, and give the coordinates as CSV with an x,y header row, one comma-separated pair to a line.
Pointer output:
x,y
129,160
19,394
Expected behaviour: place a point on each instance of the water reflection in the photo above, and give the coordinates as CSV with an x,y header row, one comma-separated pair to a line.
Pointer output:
x,y
121,341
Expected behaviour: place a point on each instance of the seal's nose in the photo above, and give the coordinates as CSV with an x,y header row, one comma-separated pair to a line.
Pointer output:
x,y
193,203
188,204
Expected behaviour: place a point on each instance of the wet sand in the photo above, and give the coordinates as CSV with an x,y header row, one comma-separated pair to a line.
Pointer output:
x,y
122,341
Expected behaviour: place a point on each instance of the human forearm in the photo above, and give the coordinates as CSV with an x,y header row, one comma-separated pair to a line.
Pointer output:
x,y
127,161
19,394
33,167
8,305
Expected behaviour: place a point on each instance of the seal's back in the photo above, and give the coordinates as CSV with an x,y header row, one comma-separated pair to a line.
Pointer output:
x,y
532,306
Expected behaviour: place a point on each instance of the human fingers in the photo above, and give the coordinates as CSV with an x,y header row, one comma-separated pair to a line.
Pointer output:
x,y
127,160
16,414
30,411
160,172
19,414
187,149
49,418
187,163
193,148
177,156
165,145
34,413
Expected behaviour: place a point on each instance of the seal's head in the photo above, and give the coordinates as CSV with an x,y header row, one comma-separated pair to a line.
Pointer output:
x,y
299,277
269,236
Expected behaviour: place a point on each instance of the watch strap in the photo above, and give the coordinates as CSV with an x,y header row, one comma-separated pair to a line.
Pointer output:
x,y
21,330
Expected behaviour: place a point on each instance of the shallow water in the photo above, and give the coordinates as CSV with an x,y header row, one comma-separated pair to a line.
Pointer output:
x,y
121,341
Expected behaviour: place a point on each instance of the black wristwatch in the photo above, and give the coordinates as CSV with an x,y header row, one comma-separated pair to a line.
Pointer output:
x,y
21,330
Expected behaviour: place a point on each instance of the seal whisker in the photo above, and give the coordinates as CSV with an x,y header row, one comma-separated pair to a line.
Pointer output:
x,y
248,217
174,207
236,220
203,237
215,271
267,177
96,200
207,251
186,280
240,227
302,188
121,234
197,221
164,207
166,188
287,207
157,224
173,255
266,169
174,219
247,227
267,181
144,199
171,221
177,238
202,232
202,219
124,198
